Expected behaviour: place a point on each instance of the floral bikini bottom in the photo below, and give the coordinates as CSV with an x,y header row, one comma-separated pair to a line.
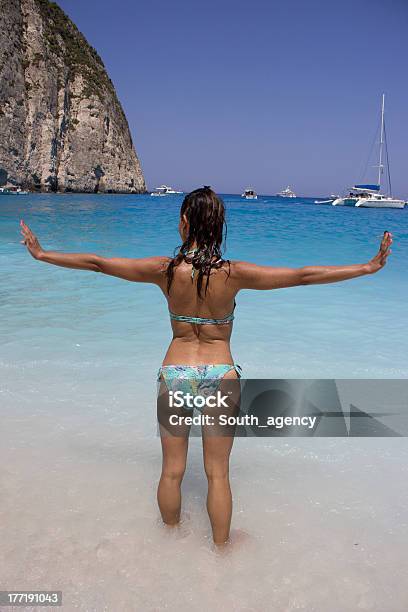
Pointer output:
x,y
200,379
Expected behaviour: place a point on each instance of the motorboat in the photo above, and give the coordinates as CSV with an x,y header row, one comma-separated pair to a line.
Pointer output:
x,y
13,191
324,201
286,193
327,200
164,190
249,194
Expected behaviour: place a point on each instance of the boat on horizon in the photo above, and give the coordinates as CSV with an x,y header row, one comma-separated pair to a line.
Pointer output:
x,y
286,193
164,190
13,191
249,194
328,200
368,195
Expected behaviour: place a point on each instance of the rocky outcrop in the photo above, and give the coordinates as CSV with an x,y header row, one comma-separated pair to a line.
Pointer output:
x,y
62,127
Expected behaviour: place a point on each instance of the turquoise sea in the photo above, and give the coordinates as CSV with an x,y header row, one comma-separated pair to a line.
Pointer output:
x,y
352,329
319,524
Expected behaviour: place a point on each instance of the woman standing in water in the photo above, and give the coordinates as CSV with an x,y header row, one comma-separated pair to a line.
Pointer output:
x,y
200,288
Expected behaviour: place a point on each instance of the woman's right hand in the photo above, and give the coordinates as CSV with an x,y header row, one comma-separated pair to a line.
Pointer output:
x,y
379,261
30,241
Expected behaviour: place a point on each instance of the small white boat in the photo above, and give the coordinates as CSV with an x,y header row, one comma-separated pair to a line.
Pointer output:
x,y
330,200
249,194
368,195
13,191
164,190
286,193
325,201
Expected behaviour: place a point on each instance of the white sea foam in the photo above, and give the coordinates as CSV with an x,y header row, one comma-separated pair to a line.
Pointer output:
x,y
318,524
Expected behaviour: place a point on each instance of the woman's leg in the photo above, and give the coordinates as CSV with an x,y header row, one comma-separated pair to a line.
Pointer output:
x,y
216,451
173,468
217,445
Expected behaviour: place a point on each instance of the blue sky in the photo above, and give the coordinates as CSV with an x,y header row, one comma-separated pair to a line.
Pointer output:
x,y
261,93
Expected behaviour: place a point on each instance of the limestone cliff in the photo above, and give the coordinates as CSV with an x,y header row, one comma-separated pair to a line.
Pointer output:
x,y
62,127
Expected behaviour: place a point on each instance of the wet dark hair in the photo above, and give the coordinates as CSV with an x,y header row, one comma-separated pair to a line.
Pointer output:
x,y
207,230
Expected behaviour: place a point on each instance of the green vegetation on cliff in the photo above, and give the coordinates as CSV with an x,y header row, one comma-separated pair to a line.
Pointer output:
x,y
64,40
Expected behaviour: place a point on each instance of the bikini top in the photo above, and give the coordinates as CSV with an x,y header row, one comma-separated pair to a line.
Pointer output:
x,y
200,320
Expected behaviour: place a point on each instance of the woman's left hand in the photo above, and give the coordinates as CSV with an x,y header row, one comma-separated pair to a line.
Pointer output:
x,y
30,241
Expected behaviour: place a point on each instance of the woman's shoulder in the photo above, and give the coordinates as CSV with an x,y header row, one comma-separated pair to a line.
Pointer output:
x,y
158,262
154,266
244,274
240,269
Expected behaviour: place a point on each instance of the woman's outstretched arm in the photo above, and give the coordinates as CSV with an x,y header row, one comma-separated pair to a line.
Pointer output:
x,y
251,276
146,270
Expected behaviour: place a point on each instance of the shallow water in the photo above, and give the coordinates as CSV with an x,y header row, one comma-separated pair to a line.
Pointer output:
x,y
319,524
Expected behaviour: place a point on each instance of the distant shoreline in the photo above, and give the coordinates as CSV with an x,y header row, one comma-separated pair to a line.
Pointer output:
x,y
98,193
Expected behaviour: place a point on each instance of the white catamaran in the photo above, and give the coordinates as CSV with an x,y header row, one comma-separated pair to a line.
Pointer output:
x,y
368,195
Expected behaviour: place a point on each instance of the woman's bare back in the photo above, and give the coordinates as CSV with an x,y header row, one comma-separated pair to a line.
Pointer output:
x,y
194,344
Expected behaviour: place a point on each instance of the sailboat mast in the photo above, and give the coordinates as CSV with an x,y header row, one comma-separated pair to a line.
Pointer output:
x,y
380,165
